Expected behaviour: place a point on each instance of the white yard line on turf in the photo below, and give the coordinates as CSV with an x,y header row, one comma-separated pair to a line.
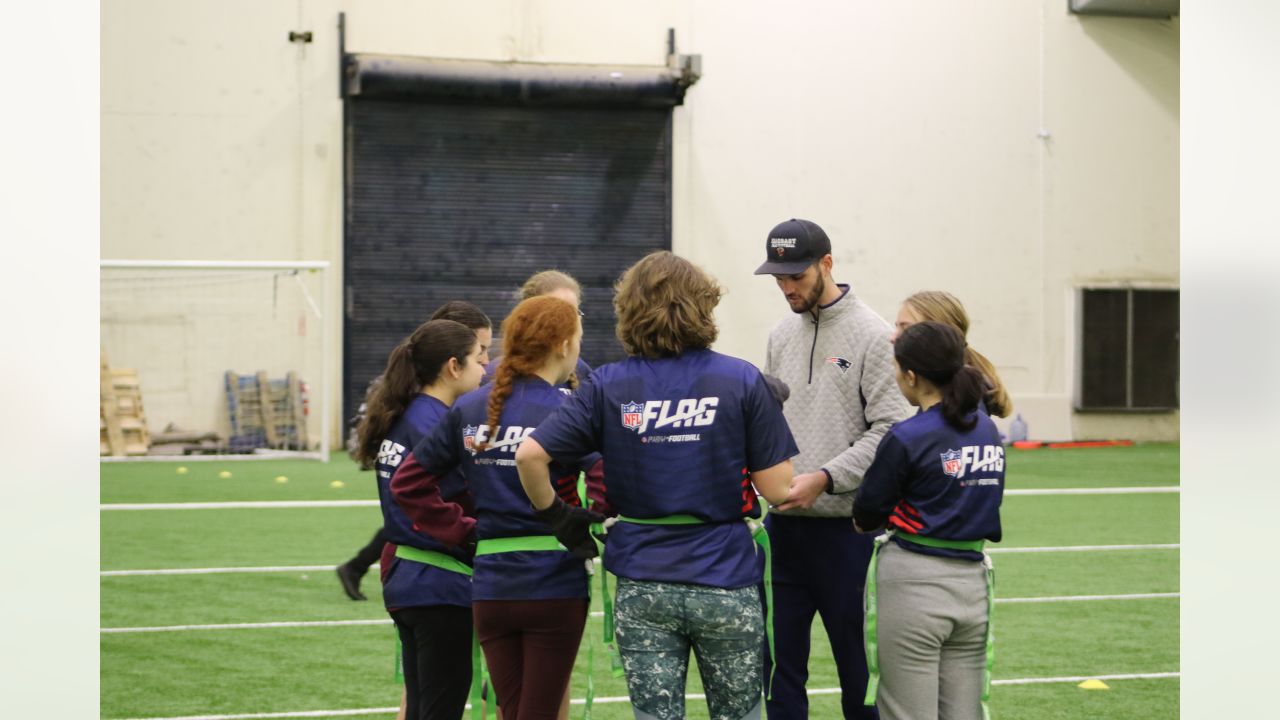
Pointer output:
x,y
1095,491
265,504
688,696
321,568
247,626
1082,548
242,505
218,571
387,621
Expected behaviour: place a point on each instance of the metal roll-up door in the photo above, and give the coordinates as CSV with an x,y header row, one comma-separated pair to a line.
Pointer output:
x,y
457,193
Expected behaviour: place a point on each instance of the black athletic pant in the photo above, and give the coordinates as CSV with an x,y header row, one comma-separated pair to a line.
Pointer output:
x,y
437,660
370,553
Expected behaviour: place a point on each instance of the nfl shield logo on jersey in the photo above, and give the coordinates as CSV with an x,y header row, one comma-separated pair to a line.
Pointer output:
x,y
951,464
469,438
632,414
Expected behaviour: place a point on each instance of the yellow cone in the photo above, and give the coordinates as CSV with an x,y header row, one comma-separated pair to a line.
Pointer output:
x,y
224,474
337,484
182,470
1093,685
282,479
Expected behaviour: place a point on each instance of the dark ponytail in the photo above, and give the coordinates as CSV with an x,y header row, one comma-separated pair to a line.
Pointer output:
x,y
414,364
936,352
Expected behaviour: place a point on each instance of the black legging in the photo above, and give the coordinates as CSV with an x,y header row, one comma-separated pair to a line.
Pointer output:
x,y
437,660
369,554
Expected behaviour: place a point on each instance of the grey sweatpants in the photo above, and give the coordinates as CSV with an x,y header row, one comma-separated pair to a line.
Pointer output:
x,y
932,629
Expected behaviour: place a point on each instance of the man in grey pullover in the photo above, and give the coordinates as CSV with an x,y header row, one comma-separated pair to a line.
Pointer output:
x,y
835,355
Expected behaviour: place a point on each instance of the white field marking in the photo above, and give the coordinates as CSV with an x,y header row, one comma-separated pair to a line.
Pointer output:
x,y
387,621
246,626
241,505
1082,548
1095,491
262,455
1089,598
689,696
260,504
322,568
218,571
1059,598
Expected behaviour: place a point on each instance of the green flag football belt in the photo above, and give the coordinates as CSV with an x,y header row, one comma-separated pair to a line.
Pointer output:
x,y
869,628
761,538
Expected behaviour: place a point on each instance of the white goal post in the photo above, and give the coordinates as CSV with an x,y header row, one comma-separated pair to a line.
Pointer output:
x,y
215,359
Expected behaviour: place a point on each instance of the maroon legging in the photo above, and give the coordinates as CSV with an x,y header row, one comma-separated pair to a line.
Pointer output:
x,y
530,647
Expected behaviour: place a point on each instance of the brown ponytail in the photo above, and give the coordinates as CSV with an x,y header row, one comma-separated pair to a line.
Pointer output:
x,y
414,364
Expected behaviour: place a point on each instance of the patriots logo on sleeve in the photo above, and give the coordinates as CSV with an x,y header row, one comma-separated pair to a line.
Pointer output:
x,y
841,363
632,415
952,464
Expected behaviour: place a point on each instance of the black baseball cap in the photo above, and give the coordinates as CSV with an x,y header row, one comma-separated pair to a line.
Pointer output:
x,y
792,247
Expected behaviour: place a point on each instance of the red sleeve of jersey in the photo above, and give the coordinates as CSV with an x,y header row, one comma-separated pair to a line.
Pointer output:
x,y
384,563
417,492
596,490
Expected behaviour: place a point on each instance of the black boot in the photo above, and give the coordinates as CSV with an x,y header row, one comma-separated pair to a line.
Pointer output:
x,y
350,579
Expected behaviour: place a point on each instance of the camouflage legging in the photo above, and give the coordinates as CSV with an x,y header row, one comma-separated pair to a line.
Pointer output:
x,y
657,623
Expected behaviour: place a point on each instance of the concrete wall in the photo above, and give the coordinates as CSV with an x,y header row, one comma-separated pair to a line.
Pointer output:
x,y
1006,151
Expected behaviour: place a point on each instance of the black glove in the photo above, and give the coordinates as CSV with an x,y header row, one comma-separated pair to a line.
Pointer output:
x,y
572,527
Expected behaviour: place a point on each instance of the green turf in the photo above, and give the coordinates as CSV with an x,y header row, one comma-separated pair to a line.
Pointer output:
x,y
1064,701
144,539
1117,572
152,482
1101,638
1047,520
133,482
279,670
1144,464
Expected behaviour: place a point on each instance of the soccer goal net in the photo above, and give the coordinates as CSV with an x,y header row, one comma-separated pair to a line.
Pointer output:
x,y
214,359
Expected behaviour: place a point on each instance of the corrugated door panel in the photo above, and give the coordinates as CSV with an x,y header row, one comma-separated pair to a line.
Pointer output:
x,y
449,202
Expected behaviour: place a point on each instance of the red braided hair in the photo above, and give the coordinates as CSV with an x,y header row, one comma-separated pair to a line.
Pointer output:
x,y
535,329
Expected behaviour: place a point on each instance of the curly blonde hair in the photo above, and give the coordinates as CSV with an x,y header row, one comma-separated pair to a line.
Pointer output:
x,y
665,305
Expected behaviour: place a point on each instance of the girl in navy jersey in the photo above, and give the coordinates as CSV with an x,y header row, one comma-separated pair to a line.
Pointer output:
x,y
352,571
936,482
529,595
686,432
425,585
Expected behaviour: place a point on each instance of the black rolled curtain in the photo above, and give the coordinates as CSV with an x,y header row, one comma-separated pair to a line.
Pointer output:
x,y
462,179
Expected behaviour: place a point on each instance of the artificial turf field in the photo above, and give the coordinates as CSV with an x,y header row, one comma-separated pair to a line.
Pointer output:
x,y
156,665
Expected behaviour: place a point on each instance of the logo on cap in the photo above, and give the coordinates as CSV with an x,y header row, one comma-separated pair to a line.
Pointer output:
x,y
780,250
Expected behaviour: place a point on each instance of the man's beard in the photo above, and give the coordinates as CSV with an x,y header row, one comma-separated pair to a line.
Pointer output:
x,y
811,300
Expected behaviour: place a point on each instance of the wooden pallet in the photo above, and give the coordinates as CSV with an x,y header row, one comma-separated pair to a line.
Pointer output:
x,y
123,424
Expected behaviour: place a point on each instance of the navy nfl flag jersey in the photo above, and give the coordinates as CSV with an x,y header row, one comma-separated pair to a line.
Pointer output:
x,y
502,509
406,583
680,435
932,480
